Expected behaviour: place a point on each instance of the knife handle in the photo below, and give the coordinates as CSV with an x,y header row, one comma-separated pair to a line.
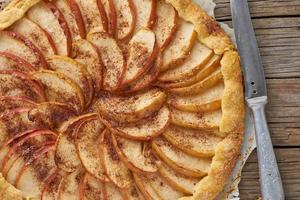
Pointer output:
x,y
270,181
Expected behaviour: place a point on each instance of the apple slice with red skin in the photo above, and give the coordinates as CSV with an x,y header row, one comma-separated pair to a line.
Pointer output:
x,y
60,88
76,14
89,135
51,114
86,53
111,14
145,129
146,13
115,169
135,155
145,187
91,188
51,185
165,26
75,71
35,34
66,156
142,53
112,58
9,61
13,102
50,19
93,14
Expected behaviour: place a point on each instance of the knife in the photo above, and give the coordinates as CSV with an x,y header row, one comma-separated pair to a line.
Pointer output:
x,y
256,98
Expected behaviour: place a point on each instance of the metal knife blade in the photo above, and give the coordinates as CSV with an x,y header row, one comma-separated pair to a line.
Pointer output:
x,y
254,78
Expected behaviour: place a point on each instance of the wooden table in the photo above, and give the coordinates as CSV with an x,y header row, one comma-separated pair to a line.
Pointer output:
x,y
277,26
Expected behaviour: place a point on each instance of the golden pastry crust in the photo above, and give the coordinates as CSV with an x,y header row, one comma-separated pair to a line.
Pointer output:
x,y
232,123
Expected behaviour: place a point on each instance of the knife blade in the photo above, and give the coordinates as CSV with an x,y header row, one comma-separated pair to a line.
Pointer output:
x,y
256,97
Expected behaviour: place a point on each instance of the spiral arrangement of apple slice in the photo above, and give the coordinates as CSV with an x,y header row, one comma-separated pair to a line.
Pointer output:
x,y
107,99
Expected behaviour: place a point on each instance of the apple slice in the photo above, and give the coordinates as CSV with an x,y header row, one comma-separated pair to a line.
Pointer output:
x,y
85,53
146,13
112,192
91,188
9,164
177,181
49,18
179,161
132,108
191,141
15,83
200,87
145,129
35,34
165,26
179,48
51,185
207,70
21,47
132,193
112,58
209,121
142,52
93,14
135,155
73,18
75,71
198,58
69,187
209,100
143,183
60,88
88,137
51,114
66,156
126,18
10,103
111,14
115,169
10,61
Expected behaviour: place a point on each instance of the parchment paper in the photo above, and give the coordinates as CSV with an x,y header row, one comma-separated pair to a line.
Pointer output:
x,y
231,191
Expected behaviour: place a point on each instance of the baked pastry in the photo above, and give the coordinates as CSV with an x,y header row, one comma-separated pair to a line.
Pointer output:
x,y
116,99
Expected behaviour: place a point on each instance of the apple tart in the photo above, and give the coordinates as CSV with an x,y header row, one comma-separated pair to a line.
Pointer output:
x,y
116,99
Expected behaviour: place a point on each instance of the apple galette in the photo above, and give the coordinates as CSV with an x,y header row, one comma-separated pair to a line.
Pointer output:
x,y
116,99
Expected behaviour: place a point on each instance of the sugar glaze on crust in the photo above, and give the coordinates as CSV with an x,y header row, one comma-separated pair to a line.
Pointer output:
x,y
213,36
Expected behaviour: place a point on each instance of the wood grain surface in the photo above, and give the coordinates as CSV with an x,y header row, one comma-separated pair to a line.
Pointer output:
x,y
277,27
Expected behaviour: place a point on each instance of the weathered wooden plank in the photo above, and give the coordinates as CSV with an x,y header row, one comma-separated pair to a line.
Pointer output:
x,y
289,164
279,43
261,8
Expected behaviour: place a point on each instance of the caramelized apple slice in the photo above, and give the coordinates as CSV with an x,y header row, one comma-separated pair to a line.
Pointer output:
x,y
21,47
111,14
93,14
130,109
51,114
179,48
200,87
204,121
75,71
209,100
36,35
126,18
191,141
142,53
88,137
10,103
179,161
207,70
66,156
85,53
145,187
10,61
60,88
145,129
69,187
91,188
115,169
49,18
135,155
112,59
112,192
146,13
197,59
165,25
15,83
